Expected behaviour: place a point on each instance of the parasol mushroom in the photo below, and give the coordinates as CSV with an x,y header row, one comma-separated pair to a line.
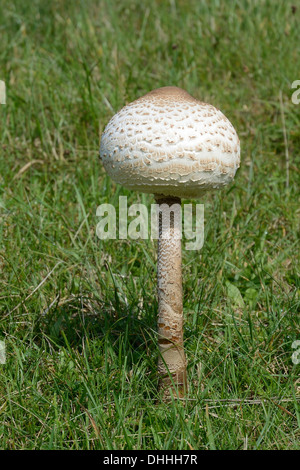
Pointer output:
x,y
171,145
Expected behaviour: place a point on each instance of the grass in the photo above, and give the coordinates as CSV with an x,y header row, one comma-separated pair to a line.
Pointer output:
x,y
79,315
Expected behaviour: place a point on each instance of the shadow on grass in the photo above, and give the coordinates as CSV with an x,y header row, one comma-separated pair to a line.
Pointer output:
x,y
123,326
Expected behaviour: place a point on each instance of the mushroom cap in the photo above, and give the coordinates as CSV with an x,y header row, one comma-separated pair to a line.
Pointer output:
x,y
169,143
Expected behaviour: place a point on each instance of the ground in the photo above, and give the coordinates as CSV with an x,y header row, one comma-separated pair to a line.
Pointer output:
x,y
78,315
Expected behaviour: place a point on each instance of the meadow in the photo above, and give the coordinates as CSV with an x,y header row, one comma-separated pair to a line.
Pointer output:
x,y
77,314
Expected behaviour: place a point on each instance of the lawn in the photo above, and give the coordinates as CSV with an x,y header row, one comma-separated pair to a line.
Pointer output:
x,y
78,315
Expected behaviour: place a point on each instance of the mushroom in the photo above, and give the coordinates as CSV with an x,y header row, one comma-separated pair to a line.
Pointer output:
x,y
171,145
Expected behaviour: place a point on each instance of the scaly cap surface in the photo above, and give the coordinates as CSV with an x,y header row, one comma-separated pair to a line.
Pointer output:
x,y
169,143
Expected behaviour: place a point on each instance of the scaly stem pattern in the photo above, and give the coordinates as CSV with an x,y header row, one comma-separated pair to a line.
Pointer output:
x,y
172,361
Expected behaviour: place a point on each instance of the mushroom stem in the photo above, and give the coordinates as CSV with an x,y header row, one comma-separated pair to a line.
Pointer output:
x,y
172,362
